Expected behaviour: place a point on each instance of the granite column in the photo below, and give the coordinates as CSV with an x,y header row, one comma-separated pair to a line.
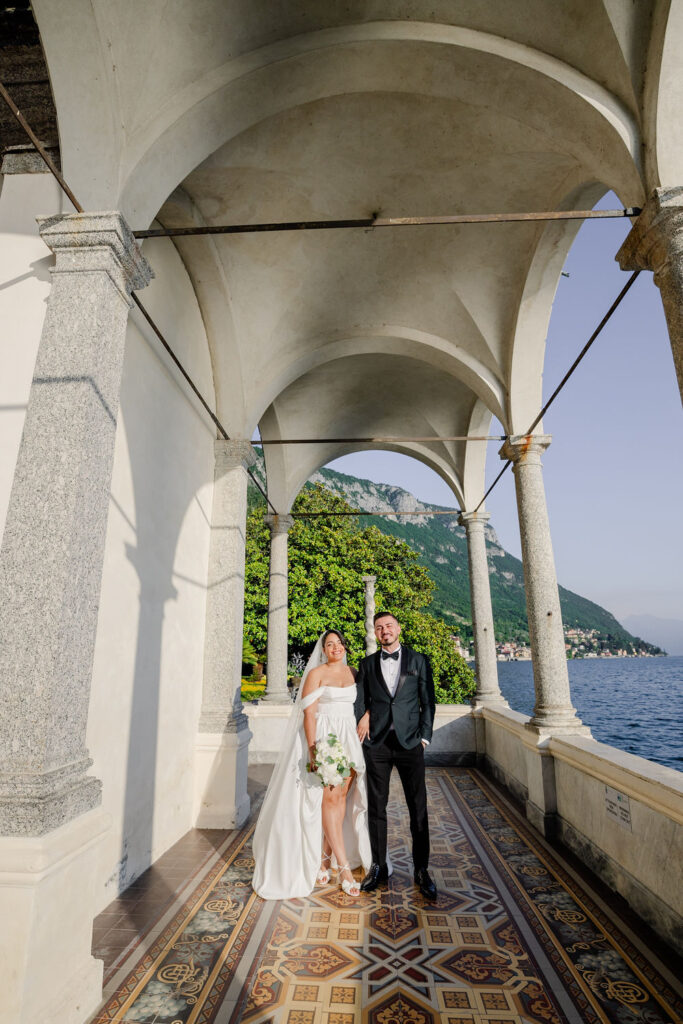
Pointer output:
x,y
488,691
50,575
370,638
221,799
278,617
553,711
655,243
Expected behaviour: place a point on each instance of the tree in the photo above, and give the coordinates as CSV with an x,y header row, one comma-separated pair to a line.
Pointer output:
x,y
328,556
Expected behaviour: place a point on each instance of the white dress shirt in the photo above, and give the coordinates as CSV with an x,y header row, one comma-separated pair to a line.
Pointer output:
x,y
391,670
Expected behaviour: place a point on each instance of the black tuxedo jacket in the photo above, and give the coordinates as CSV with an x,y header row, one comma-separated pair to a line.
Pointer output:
x,y
411,710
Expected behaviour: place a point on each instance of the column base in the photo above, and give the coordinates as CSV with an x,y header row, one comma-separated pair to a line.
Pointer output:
x,y
221,799
544,729
47,905
276,698
486,700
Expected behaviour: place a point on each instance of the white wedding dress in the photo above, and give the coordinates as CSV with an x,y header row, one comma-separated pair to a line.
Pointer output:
x,y
289,835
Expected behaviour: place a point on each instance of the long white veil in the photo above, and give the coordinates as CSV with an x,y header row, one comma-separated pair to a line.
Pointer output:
x,y
288,836
296,719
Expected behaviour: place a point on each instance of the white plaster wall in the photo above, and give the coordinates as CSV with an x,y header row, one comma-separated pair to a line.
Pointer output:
x,y
25,263
147,677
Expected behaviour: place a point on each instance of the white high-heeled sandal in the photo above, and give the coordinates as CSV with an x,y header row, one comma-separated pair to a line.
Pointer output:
x,y
323,876
351,888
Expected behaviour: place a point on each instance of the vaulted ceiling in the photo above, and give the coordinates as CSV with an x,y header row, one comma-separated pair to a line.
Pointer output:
x,y
215,112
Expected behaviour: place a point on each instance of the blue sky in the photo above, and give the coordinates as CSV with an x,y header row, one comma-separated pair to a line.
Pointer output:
x,y
614,472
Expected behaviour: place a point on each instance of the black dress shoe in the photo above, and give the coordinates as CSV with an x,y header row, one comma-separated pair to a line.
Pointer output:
x,y
377,874
427,887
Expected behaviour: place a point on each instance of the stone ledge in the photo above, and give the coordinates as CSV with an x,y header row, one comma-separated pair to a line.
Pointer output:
x,y
453,739
651,784
506,718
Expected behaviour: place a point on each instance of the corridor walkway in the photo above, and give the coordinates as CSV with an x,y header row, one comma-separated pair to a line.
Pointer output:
x,y
516,935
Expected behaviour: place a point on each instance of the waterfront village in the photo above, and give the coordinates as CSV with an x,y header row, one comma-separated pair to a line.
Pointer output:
x,y
579,643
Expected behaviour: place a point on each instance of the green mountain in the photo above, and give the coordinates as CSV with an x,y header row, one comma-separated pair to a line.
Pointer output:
x,y
442,547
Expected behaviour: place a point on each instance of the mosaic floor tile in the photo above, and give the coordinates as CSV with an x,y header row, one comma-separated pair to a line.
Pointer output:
x,y
512,939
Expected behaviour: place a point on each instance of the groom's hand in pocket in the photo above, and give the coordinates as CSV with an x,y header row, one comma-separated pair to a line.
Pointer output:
x,y
363,728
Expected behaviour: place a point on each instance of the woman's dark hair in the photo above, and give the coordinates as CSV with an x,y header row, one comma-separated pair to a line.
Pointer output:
x,y
335,632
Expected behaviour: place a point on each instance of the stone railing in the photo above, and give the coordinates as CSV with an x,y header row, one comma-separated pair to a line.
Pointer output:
x,y
620,814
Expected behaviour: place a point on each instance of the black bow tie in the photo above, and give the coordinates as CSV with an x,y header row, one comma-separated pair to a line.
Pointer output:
x,y
394,655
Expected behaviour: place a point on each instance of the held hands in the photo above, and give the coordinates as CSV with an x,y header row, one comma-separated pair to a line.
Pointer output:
x,y
363,728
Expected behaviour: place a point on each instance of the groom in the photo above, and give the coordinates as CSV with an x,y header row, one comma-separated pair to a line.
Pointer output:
x,y
395,713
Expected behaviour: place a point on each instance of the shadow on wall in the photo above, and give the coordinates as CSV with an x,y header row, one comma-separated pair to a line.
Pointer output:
x,y
166,478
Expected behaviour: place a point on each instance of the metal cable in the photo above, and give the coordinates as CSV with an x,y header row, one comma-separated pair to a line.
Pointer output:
x,y
598,330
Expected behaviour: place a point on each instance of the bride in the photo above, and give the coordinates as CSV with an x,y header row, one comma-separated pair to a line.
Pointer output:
x,y
304,826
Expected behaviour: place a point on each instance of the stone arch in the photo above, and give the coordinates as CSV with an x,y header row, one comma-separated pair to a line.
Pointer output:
x,y
442,354
283,494
527,351
663,99
135,172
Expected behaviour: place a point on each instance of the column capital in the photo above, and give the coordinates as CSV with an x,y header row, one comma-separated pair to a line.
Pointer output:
x,y
369,579
656,238
470,519
521,448
231,454
279,524
97,242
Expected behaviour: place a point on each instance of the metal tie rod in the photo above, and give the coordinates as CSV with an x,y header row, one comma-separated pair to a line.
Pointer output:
x,y
389,222
383,515
375,440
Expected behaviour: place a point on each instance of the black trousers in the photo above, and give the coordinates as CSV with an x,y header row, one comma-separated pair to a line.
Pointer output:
x,y
379,761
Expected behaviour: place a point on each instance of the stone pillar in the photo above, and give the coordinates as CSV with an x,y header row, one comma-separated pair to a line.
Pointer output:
x,y
553,712
276,654
370,638
488,691
655,243
50,575
221,799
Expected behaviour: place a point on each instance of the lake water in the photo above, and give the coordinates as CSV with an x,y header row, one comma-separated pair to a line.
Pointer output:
x,y
632,703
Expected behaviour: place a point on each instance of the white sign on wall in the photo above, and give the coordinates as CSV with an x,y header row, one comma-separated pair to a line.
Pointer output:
x,y
618,807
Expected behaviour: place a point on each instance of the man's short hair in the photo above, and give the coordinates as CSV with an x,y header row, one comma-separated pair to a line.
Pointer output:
x,y
384,615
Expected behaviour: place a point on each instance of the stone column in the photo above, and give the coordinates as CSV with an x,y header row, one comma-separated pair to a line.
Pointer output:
x,y
221,799
50,575
370,638
655,243
553,712
488,691
276,654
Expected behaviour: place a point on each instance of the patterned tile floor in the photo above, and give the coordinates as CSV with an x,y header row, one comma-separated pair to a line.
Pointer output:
x,y
517,935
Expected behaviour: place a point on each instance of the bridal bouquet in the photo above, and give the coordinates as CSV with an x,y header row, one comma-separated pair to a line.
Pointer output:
x,y
331,764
